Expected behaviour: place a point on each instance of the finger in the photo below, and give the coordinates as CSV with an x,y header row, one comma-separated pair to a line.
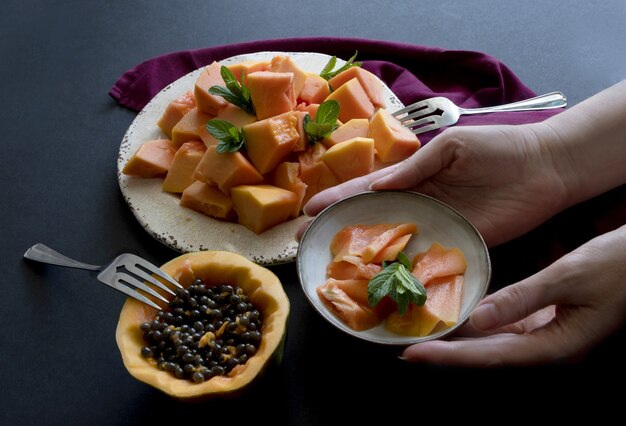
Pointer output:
x,y
491,351
354,186
516,302
420,166
301,229
528,324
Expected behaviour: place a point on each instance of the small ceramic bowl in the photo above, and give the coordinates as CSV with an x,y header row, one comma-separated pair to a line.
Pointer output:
x,y
437,222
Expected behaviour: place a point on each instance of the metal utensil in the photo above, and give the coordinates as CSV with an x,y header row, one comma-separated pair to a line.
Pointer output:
x,y
434,113
125,273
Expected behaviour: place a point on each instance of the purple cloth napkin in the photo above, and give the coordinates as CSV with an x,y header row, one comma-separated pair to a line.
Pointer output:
x,y
413,73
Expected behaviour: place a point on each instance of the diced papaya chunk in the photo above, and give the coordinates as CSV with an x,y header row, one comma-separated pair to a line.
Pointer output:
x,y
356,289
269,141
175,111
186,159
152,159
272,93
392,251
370,83
439,262
286,64
350,159
314,173
261,207
357,127
190,127
207,199
357,317
393,141
247,67
209,77
311,109
314,90
226,170
287,176
353,101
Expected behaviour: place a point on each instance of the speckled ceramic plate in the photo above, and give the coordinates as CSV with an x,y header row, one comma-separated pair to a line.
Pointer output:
x,y
437,222
186,230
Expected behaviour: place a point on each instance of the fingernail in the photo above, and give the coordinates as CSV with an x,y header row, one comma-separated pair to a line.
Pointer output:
x,y
403,358
485,317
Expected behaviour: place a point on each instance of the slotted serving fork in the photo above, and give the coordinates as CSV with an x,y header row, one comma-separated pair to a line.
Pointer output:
x,y
434,113
125,273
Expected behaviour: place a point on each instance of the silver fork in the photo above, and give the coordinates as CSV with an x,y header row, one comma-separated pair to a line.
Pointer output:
x,y
125,273
434,113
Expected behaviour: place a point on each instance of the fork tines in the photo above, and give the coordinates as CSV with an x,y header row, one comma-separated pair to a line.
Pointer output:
x,y
418,117
131,272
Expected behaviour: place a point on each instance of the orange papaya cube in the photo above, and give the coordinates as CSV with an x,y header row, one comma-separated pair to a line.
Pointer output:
x,y
190,127
394,248
186,159
209,200
393,141
356,289
303,141
311,109
351,240
357,127
209,77
261,207
231,113
353,101
271,93
314,90
286,64
175,111
371,84
269,141
353,314
350,159
438,261
287,176
247,67
314,173
152,159
226,170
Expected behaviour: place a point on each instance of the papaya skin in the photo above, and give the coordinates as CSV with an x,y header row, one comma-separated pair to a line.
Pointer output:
x,y
213,267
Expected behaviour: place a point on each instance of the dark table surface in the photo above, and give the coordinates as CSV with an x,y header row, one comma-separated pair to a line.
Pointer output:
x,y
59,363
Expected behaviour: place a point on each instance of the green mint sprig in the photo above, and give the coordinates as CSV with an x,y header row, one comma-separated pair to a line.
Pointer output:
x,y
397,281
230,138
325,121
328,73
235,92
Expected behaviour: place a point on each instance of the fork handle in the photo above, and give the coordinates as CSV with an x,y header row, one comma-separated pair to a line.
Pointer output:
x,y
547,101
44,254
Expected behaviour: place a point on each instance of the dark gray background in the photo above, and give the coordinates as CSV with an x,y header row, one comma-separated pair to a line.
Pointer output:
x,y
59,363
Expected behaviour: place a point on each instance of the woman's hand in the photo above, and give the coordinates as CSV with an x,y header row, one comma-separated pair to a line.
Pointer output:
x,y
557,314
504,179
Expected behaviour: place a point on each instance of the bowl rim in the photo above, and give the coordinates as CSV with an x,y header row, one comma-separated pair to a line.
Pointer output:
x,y
325,312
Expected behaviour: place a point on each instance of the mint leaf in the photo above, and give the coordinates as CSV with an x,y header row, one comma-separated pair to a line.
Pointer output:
x,y
397,281
230,139
235,92
325,121
328,73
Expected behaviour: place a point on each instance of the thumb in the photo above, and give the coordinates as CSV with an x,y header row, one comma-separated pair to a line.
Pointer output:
x,y
516,302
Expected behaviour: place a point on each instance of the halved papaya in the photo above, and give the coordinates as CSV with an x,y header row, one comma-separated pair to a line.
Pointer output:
x,y
214,267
